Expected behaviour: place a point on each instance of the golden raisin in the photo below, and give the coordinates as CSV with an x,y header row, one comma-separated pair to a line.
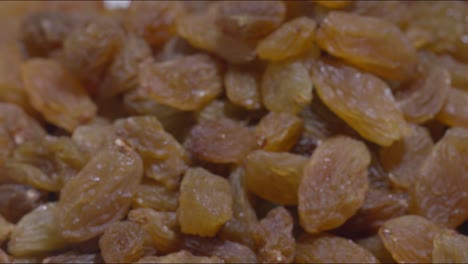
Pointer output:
x,y
278,131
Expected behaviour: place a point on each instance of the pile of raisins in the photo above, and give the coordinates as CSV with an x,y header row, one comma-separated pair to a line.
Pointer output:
x,y
234,132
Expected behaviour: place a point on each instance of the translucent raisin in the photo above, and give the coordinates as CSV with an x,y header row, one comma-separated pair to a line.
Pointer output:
x,y
164,158
274,176
371,44
286,87
5,229
456,68
56,94
90,49
162,228
156,197
122,242
375,245
454,112
44,32
327,248
409,238
243,87
404,158
362,100
182,256
155,21
100,194
291,39
278,131
241,227
205,202
73,257
17,200
91,138
36,233
188,83
450,247
439,194
220,141
122,74
334,184
274,237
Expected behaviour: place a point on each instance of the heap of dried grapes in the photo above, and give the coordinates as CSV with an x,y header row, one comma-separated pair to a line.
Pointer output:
x,y
234,132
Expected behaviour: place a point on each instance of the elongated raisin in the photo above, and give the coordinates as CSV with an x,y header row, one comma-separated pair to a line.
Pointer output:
x,y
17,200
375,245
371,44
455,109
449,247
205,202
278,131
243,87
19,125
334,184
100,194
56,94
156,197
93,137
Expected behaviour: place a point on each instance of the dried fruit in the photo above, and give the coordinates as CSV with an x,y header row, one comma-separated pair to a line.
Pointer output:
x,y
5,229
450,247
286,86
439,194
334,4
56,94
182,256
156,197
455,109
91,138
327,248
274,176
242,87
72,257
17,200
278,131
155,21
188,83
36,233
291,39
375,245
368,43
457,69
163,157
362,100
100,194
220,141
205,202
409,238
404,158
18,124
122,74
122,242
334,184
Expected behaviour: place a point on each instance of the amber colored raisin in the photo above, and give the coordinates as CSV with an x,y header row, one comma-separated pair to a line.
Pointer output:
x,y
100,194
425,96
274,176
44,32
243,87
336,4
58,159
375,245
17,200
72,257
409,238
176,47
241,227
182,256
450,247
162,228
156,197
334,184
122,74
5,229
90,49
379,206
327,248
404,157
205,202
362,100
250,19
93,137
155,21
395,12
164,158
274,237
36,233
122,242
188,83
278,131
439,194
19,125
455,109
220,141
371,44
291,39
286,86
457,69
56,94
